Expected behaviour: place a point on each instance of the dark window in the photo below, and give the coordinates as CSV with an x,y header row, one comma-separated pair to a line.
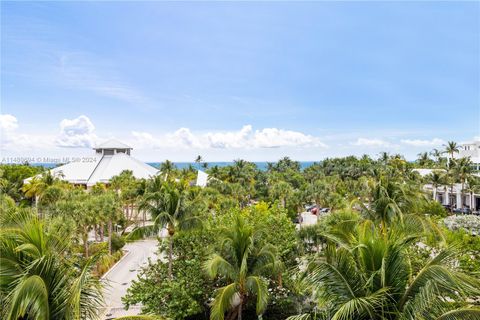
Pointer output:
x,y
108,152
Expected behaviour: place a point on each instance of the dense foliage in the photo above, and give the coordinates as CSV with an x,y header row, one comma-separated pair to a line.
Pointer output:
x,y
381,246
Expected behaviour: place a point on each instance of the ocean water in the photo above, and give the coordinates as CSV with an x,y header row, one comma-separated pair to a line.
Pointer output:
x,y
260,165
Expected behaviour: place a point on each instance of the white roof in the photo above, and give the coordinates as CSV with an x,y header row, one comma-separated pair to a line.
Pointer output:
x,y
113,144
111,166
426,172
102,169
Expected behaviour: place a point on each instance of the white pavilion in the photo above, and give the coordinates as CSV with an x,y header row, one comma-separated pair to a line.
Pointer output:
x,y
109,160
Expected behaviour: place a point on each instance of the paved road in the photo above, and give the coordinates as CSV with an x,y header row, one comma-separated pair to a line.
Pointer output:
x,y
120,277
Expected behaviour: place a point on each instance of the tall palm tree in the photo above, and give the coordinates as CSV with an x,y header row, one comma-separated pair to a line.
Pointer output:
x,y
451,148
437,154
126,186
167,170
463,170
384,157
367,276
109,208
242,263
423,159
199,159
166,205
436,179
38,280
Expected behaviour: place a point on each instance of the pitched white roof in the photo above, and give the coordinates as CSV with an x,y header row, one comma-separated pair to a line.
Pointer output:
x,y
112,144
101,168
426,172
110,166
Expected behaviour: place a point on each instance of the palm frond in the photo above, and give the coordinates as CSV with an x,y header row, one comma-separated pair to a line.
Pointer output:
x,y
461,314
258,287
224,299
29,298
218,265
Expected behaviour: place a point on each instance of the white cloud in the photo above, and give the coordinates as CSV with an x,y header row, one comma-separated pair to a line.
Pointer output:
x,y
8,122
275,138
230,139
423,143
76,133
243,138
183,137
12,139
371,142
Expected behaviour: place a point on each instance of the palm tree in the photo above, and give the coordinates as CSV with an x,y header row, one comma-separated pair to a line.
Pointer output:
x,y
241,262
36,186
436,179
391,199
384,157
167,169
451,148
423,159
281,190
38,280
166,206
437,154
367,276
110,211
126,186
199,160
463,170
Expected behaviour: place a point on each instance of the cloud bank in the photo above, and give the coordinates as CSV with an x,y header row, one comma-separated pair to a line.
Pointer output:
x,y
245,138
423,143
76,133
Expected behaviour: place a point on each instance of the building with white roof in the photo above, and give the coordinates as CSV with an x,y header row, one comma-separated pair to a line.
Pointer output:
x,y
109,160
453,195
472,150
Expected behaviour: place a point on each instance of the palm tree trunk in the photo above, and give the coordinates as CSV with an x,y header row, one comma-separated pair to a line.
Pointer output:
x,y
85,241
471,201
170,257
239,316
449,200
102,227
110,231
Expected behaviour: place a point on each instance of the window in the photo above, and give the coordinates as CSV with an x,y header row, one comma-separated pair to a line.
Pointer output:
x,y
108,152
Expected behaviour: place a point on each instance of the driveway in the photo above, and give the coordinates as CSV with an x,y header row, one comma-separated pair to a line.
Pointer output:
x,y
119,278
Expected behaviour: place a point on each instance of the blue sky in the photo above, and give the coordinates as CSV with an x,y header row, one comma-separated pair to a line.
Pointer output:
x,y
239,80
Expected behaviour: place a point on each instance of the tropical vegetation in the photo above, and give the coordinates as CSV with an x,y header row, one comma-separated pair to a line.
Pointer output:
x,y
380,247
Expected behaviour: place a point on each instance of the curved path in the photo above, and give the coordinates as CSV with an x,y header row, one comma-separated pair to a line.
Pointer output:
x,y
119,278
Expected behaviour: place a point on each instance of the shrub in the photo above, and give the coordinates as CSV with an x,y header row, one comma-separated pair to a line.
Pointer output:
x,y
434,208
117,242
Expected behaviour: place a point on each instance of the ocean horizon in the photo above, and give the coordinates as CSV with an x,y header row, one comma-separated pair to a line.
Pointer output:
x,y
261,165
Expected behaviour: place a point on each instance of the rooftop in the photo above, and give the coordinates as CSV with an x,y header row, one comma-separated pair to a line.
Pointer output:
x,y
113,144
